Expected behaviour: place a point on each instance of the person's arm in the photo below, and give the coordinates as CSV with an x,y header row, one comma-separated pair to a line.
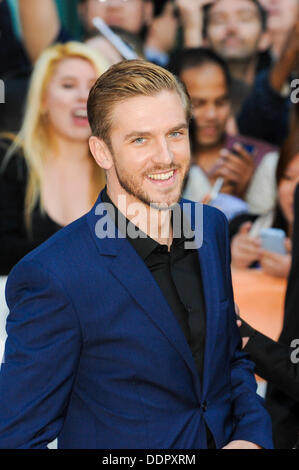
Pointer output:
x,y
276,363
40,25
252,422
265,113
191,16
288,61
162,30
40,359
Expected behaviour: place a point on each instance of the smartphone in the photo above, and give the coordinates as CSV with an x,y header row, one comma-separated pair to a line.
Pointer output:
x,y
273,240
248,147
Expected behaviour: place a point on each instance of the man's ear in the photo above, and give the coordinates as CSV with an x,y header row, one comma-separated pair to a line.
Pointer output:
x,y
265,41
100,152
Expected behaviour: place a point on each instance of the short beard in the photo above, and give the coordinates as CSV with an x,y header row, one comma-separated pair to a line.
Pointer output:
x,y
134,190
217,142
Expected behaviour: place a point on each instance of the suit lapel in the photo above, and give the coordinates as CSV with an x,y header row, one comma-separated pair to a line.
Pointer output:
x,y
211,294
210,275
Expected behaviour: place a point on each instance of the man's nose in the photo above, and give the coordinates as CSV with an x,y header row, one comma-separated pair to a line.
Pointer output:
x,y
211,112
232,26
163,153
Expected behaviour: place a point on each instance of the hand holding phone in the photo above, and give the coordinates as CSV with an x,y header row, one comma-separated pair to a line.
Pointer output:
x,y
273,239
247,147
238,168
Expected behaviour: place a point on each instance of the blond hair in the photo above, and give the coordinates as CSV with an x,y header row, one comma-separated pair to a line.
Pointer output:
x,y
33,137
124,80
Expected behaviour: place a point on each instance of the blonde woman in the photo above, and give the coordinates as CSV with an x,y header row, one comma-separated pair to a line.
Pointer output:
x,y
48,177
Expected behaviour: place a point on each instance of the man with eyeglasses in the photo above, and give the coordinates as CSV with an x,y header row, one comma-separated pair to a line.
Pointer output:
x,y
41,25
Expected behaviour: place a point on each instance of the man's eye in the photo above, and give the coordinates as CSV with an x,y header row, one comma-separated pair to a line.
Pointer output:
x,y
218,20
139,140
176,134
222,102
247,16
197,103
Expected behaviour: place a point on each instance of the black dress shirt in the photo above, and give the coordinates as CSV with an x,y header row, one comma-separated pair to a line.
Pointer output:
x,y
177,273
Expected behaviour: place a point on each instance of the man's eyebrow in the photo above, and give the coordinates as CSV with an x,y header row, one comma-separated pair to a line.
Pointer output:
x,y
225,96
145,133
183,125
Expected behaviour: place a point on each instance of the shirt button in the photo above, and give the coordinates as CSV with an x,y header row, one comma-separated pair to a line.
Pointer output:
x,y
189,308
204,406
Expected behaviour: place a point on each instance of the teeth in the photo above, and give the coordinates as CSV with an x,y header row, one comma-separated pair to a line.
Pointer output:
x,y
82,113
162,176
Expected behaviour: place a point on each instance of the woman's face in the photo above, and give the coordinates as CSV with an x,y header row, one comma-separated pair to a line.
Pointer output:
x,y
65,103
281,13
286,189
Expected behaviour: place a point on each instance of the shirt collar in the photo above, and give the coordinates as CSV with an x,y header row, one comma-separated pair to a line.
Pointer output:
x,y
144,244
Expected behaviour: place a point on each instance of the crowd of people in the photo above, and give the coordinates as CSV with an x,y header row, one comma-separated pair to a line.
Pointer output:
x,y
238,60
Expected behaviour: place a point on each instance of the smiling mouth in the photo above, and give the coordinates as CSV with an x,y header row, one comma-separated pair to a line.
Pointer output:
x,y
80,113
161,176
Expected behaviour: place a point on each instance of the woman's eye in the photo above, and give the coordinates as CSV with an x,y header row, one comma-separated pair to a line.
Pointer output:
x,y
67,85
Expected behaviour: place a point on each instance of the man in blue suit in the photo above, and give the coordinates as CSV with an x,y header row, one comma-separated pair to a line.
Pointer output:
x,y
122,330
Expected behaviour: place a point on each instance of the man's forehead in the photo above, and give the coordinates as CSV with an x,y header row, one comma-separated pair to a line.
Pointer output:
x,y
164,110
224,6
204,77
142,104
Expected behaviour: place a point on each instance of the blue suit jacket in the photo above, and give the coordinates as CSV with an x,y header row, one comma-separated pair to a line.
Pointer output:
x,y
95,356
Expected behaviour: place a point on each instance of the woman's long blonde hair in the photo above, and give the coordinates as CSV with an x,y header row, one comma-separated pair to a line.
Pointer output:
x,y
33,137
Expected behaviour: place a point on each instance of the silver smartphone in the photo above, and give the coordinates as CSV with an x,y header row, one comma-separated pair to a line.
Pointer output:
x,y
273,239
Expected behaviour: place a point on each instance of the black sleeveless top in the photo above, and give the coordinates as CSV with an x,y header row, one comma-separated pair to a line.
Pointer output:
x,y
15,241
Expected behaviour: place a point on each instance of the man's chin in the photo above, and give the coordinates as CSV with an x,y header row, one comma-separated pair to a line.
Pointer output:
x,y
236,56
209,144
163,206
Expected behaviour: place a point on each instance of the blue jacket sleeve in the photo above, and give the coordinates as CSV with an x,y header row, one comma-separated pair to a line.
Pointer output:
x,y
40,359
252,421
265,113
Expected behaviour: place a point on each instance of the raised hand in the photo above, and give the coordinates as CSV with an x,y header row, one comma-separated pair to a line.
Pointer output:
x,y
191,15
238,169
162,30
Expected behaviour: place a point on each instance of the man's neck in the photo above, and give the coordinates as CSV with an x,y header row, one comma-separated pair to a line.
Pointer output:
x,y
155,223
244,70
